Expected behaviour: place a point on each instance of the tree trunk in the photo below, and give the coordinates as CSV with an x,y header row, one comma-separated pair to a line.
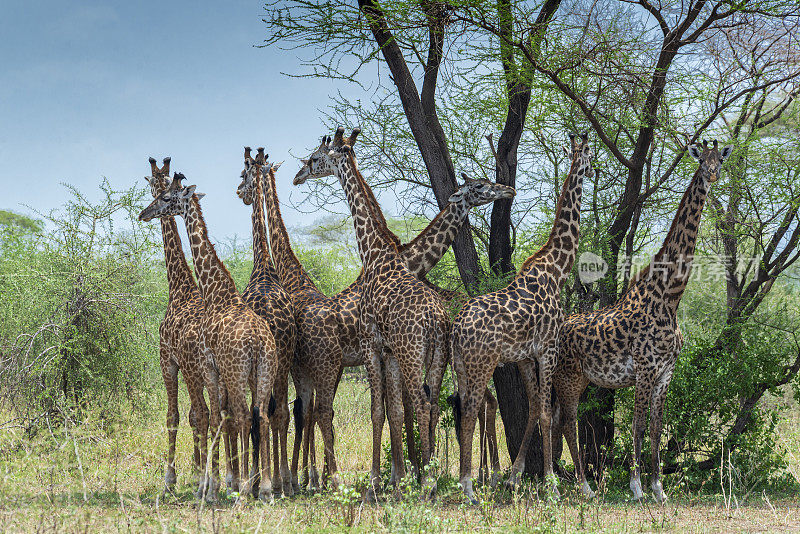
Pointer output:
x,y
596,427
508,384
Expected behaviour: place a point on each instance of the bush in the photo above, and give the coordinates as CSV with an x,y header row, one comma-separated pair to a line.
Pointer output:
x,y
80,306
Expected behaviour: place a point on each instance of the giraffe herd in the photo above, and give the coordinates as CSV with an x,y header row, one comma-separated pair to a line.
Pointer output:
x,y
393,321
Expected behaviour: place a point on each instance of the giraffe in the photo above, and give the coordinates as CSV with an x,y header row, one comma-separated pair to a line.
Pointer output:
x,y
238,345
636,341
397,312
265,294
520,323
179,333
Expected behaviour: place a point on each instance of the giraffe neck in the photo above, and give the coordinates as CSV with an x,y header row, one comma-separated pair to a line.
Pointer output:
x,y
375,244
179,277
672,264
216,284
261,259
425,250
290,271
380,220
562,246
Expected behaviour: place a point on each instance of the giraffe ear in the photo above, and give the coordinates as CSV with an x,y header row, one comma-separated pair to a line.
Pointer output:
x,y
189,191
456,196
200,195
724,153
566,151
304,161
696,152
276,166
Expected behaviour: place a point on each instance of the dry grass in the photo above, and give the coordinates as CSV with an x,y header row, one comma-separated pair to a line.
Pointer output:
x,y
88,478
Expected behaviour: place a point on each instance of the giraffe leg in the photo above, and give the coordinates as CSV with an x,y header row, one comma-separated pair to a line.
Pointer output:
x,y
282,423
421,403
491,436
396,414
209,483
568,397
323,410
641,401
375,372
310,448
266,385
303,389
482,467
527,369
240,411
169,370
658,399
470,406
547,363
198,416
230,441
411,442
440,357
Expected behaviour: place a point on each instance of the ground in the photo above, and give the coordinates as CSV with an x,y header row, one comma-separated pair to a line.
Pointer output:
x,y
84,477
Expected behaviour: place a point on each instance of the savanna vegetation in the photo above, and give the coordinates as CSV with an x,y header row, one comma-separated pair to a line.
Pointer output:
x,y
490,88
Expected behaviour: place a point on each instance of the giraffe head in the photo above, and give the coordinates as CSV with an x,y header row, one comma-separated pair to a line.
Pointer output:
x,y
479,192
710,159
159,178
172,201
580,153
252,167
325,160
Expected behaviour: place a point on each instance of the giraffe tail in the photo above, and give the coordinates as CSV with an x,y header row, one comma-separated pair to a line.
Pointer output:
x,y
454,400
255,434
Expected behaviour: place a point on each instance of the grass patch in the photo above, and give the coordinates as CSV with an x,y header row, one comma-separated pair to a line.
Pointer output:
x,y
107,475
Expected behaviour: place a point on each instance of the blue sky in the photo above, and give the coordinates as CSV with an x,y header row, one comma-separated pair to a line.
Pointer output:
x,y
92,89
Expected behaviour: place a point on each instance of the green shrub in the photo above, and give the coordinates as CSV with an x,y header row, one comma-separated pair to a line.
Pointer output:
x,y
80,304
